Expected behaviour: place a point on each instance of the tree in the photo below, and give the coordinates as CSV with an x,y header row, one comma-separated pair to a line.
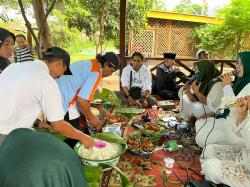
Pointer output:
x,y
230,37
100,18
42,10
187,7
44,36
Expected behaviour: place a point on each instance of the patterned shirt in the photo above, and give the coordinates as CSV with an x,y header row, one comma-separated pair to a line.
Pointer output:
x,y
23,55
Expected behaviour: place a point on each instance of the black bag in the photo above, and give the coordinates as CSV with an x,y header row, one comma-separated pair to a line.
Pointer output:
x,y
134,91
198,183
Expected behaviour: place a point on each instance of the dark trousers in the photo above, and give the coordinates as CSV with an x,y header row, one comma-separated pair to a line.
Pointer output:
x,y
169,94
78,123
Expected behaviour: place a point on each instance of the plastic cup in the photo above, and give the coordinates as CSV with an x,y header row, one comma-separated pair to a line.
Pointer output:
x,y
169,164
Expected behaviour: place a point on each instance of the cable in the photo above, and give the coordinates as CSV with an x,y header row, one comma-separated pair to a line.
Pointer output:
x,y
209,134
205,120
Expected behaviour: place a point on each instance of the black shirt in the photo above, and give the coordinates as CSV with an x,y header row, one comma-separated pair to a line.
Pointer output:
x,y
4,62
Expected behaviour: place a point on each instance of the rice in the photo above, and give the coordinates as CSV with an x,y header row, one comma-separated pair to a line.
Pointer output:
x,y
109,151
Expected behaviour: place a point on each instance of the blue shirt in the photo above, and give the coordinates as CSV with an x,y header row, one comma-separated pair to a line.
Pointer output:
x,y
83,83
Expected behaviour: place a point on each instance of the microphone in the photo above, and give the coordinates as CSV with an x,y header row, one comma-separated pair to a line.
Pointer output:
x,y
191,80
232,73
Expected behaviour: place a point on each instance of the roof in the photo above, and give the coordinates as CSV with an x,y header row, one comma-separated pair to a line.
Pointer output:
x,y
183,17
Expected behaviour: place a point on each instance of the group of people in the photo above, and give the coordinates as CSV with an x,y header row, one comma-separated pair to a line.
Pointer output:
x,y
63,93
221,131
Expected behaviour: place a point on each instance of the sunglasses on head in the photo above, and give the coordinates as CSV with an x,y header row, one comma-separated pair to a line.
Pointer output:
x,y
111,65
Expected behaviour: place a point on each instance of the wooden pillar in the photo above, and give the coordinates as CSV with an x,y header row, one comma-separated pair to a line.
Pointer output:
x,y
123,4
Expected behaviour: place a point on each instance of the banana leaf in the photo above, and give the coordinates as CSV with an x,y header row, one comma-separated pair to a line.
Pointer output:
x,y
131,110
125,181
110,137
93,175
107,95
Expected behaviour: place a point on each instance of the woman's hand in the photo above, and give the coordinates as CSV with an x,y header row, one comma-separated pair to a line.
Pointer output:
x,y
242,108
226,78
195,87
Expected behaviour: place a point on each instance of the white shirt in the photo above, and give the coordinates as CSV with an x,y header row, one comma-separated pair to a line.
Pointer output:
x,y
141,78
27,89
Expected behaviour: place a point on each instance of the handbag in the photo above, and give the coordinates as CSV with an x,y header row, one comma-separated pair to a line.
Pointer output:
x,y
135,91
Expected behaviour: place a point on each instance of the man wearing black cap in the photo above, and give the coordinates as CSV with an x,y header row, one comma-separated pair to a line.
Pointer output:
x,y
78,90
28,89
166,75
7,42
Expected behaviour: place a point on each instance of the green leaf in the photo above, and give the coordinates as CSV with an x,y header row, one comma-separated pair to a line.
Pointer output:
x,y
124,179
110,137
93,175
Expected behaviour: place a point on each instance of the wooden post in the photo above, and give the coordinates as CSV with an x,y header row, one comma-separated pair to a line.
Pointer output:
x,y
123,4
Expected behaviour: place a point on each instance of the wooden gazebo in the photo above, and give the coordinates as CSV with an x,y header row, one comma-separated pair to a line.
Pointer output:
x,y
168,32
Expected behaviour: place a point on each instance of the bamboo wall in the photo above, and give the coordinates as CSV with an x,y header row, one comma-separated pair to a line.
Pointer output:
x,y
164,36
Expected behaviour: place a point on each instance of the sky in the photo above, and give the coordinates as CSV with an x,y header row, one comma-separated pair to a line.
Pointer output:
x,y
212,4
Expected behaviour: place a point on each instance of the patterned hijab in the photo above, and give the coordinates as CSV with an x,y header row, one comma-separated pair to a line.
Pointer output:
x,y
241,82
207,72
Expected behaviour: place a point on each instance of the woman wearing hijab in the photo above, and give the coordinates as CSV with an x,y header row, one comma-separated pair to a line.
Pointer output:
x,y
220,130
31,158
229,164
206,91
7,43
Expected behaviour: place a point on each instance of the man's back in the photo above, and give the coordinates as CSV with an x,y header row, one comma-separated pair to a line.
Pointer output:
x,y
22,89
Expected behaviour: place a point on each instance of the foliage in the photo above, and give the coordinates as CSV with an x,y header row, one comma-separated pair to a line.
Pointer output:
x,y
230,37
187,7
100,18
159,5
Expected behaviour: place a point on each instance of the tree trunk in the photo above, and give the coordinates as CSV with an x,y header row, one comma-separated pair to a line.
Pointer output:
x,y
46,38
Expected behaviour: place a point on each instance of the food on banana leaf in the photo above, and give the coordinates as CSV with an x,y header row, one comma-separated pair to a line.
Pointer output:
x,y
129,112
117,119
151,129
139,144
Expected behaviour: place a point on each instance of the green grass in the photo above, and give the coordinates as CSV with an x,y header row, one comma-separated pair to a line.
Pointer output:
x,y
78,56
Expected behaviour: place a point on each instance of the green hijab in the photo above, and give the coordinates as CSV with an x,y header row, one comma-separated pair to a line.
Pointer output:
x,y
207,72
30,158
241,82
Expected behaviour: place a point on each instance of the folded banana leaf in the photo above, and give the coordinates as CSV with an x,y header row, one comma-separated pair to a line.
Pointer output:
x,y
125,181
110,137
107,95
93,175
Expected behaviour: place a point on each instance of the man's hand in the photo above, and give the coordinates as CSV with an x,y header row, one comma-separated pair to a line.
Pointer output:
x,y
176,69
226,78
95,122
144,103
44,125
132,101
87,141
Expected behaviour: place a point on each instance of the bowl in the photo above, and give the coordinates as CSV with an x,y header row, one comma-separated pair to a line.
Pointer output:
x,y
113,160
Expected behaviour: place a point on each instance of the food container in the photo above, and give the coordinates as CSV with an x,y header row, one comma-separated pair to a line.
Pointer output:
x,y
113,160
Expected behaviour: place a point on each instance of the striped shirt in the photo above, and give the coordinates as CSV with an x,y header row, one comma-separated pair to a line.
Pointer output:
x,y
23,55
